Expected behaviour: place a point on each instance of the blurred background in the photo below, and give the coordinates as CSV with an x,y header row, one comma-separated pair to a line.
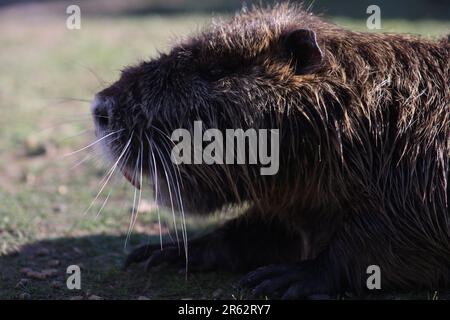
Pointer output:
x,y
48,75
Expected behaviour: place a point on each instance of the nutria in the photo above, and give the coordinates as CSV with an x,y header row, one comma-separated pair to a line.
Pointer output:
x,y
364,151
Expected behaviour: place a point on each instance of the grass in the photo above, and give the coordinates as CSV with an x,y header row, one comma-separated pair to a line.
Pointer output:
x,y
44,69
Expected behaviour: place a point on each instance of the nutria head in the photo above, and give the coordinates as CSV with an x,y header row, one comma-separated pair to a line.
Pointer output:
x,y
240,73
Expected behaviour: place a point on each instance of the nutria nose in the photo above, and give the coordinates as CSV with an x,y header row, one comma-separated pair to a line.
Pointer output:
x,y
101,111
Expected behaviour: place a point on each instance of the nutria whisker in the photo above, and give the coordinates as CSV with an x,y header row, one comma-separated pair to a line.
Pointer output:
x,y
154,176
122,164
99,79
169,183
70,99
141,161
55,126
103,204
167,147
82,132
109,174
136,197
177,175
176,185
86,158
93,143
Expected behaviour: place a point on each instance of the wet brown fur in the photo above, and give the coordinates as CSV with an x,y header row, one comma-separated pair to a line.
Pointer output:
x,y
364,162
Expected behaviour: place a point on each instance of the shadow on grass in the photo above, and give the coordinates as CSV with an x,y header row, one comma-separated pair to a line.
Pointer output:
x,y
38,271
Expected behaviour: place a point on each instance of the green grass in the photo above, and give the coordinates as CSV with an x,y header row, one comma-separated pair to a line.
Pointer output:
x,y
43,67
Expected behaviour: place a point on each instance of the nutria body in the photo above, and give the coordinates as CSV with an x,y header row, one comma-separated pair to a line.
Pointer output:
x,y
364,151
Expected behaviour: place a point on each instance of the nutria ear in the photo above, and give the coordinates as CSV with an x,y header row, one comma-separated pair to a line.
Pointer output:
x,y
301,45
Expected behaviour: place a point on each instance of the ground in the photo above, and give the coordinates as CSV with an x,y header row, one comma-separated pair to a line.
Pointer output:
x,y
48,75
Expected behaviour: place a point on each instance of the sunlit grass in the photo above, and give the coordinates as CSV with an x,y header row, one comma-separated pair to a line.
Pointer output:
x,y
44,69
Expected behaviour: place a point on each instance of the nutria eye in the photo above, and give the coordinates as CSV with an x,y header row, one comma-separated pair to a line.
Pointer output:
x,y
215,74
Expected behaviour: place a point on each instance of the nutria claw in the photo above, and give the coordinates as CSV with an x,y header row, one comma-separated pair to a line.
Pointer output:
x,y
153,255
170,253
167,255
141,254
289,281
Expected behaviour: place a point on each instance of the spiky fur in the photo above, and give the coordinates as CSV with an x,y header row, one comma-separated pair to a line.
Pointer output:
x,y
364,162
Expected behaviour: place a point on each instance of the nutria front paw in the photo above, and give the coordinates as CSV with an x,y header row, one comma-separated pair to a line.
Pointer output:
x,y
203,254
303,280
153,255
139,255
